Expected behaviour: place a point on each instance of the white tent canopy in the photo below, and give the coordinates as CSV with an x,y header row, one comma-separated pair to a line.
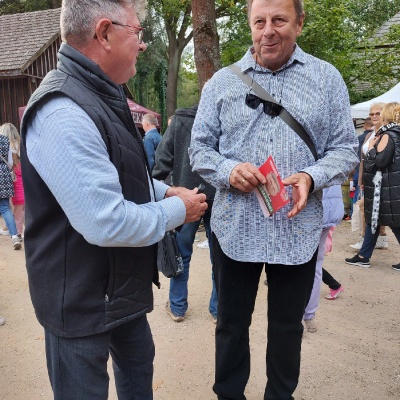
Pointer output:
x,y
361,110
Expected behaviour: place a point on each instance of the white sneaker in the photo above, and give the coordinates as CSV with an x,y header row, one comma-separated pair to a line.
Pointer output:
x,y
358,245
4,232
204,245
2,321
16,242
382,243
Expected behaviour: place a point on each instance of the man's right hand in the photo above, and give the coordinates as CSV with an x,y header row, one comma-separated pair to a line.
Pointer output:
x,y
195,203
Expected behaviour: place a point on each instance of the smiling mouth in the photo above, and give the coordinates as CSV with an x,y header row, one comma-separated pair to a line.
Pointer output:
x,y
268,44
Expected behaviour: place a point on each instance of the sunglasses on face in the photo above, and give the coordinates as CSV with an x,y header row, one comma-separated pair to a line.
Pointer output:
x,y
270,108
377,114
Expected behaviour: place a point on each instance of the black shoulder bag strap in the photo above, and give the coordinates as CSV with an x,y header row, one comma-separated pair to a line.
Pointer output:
x,y
284,115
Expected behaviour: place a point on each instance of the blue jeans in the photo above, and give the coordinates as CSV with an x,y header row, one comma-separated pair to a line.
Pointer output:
x,y
8,216
370,240
77,367
178,291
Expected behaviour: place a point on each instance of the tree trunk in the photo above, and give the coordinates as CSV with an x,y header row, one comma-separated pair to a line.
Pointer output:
x,y
174,60
206,40
55,3
177,41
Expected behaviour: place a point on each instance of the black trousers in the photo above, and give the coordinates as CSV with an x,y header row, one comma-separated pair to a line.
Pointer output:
x,y
329,280
289,290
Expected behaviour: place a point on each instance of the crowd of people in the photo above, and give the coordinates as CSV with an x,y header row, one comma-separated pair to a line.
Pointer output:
x,y
97,202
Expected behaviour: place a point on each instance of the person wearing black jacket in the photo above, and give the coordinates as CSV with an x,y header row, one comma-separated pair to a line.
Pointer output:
x,y
172,159
381,184
93,213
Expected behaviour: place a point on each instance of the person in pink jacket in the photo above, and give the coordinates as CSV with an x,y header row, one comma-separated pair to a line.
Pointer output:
x,y
19,198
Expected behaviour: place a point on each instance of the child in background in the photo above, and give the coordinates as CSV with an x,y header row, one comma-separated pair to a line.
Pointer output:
x,y
18,200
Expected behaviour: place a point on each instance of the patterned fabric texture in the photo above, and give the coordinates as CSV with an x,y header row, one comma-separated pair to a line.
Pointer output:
x,y
6,183
226,132
377,199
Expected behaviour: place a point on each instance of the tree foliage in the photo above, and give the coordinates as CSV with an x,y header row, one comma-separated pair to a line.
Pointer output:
x,y
336,31
339,31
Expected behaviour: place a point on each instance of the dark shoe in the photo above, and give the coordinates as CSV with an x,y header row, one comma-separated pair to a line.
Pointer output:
x,y
396,267
357,260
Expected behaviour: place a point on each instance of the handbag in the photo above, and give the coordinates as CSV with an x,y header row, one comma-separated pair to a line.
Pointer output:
x,y
12,173
284,114
169,258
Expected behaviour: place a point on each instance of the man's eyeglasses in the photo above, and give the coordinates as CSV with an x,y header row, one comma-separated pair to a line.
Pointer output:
x,y
377,114
138,29
272,109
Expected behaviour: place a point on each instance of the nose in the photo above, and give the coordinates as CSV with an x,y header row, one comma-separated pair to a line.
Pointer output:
x,y
142,46
269,29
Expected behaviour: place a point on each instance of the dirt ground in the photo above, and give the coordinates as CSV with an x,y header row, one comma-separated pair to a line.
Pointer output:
x,y
355,354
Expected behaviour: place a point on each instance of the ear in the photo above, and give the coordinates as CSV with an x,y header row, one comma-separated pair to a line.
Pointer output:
x,y
103,31
300,24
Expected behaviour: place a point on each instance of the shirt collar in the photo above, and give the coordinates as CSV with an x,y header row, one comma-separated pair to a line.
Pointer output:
x,y
247,63
151,130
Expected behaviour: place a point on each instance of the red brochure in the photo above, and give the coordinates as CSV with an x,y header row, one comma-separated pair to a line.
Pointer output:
x,y
272,196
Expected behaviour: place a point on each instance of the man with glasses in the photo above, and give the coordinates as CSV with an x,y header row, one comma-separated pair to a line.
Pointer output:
x,y
234,133
93,213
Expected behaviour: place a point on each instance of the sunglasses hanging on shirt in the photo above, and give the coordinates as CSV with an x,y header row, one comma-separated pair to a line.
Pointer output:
x,y
270,108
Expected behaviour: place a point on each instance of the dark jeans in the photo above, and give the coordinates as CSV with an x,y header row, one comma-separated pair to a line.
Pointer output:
x,y
77,367
178,289
289,290
370,240
329,280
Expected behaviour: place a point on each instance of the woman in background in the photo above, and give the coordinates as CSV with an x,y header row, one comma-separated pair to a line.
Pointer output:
x,y
7,189
381,184
11,132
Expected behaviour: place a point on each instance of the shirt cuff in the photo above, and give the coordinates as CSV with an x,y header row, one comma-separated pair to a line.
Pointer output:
x,y
160,188
174,210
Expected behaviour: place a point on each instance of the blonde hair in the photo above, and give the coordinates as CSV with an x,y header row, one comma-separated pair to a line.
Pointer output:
x,y
379,105
390,113
11,132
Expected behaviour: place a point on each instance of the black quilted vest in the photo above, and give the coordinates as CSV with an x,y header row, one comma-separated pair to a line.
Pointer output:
x,y
389,210
77,288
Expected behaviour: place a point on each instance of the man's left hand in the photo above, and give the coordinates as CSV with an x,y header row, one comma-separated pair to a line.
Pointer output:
x,y
301,183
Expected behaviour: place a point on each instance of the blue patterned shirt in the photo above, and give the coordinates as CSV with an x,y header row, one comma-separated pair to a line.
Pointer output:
x,y
226,132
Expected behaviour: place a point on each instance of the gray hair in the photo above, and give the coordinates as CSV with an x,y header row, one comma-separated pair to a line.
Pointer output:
x,y
298,7
151,119
11,132
79,17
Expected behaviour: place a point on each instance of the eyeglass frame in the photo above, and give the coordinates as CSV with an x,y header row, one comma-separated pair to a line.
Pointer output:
x,y
269,107
377,114
139,33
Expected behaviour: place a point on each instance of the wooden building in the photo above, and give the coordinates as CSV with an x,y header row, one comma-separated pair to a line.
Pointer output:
x,y
28,50
29,43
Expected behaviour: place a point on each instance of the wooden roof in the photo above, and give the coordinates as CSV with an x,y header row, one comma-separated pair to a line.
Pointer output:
x,y
24,37
384,29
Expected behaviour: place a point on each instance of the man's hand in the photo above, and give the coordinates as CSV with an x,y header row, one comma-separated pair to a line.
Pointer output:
x,y
301,183
195,203
246,177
